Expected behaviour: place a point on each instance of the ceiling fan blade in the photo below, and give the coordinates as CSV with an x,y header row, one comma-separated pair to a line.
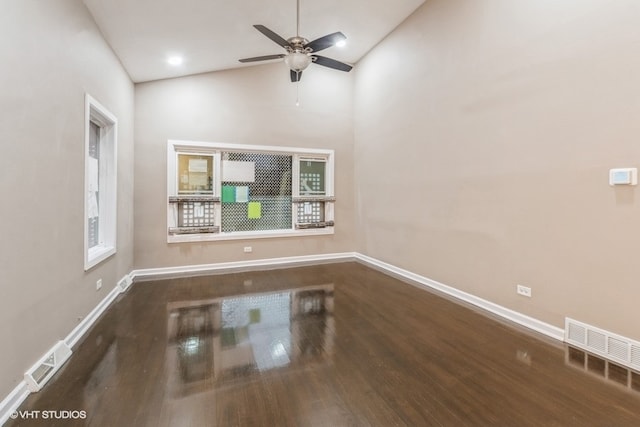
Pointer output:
x,y
295,76
331,63
324,42
273,36
262,58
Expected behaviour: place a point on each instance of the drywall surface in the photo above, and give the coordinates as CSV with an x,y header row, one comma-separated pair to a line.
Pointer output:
x,y
253,105
52,55
484,133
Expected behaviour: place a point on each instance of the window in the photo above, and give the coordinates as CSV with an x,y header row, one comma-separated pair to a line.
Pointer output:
x,y
225,191
100,183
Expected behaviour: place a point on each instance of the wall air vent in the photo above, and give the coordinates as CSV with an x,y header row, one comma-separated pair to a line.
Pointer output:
x,y
43,370
635,355
619,349
576,333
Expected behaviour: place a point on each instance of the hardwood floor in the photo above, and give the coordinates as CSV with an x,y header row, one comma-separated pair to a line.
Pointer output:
x,y
328,345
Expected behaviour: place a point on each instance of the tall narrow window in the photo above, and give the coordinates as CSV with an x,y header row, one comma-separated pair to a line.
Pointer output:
x,y
93,208
100,183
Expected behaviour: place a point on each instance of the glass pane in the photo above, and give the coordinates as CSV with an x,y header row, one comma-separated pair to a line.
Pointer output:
x,y
256,192
195,174
310,212
93,208
312,178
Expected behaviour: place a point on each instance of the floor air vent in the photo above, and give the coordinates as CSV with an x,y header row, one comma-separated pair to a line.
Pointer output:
x,y
41,372
622,350
124,283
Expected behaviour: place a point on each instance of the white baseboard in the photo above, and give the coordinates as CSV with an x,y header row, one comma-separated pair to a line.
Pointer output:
x,y
238,266
506,313
86,323
11,403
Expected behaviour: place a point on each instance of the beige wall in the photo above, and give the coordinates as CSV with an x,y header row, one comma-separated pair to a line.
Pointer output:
x,y
474,150
52,53
484,132
253,105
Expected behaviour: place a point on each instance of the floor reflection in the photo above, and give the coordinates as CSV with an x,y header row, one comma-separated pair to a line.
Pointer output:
x,y
602,368
227,339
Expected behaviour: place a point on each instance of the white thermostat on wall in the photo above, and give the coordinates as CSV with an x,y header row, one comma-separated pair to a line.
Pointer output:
x,y
623,176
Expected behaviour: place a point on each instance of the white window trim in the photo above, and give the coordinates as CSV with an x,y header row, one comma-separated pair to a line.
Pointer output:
x,y
199,147
108,123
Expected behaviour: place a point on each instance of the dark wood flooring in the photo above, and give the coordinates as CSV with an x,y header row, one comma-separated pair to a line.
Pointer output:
x,y
328,345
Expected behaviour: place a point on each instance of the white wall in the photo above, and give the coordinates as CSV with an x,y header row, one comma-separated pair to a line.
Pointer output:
x,y
52,53
253,105
484,132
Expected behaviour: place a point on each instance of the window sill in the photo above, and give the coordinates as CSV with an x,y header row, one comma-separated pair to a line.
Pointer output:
x,y
98,254
247,235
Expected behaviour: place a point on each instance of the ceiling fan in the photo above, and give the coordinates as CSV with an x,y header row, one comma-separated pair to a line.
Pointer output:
x,y
300,51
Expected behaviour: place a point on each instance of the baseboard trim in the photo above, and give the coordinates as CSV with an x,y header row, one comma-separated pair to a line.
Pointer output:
x,y
86,323
424,282
239,266
12,402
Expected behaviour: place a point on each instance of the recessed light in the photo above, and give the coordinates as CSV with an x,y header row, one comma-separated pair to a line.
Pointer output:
x,y
175,60
341,43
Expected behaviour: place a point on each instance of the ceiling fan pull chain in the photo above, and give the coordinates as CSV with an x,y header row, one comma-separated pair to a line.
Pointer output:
x,y
298,92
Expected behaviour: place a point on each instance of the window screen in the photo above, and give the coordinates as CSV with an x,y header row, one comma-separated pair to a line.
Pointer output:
x,y
256,191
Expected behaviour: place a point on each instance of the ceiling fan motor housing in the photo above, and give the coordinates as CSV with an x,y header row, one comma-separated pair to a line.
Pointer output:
x,y
297,42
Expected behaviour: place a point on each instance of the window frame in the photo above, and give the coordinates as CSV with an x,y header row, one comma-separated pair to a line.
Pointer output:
x,y
107,182
175,147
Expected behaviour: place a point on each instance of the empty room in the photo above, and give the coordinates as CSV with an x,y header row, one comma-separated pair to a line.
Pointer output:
x,y
305,213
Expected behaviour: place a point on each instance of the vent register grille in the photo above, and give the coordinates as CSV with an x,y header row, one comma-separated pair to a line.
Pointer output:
x,y
41,372
606,344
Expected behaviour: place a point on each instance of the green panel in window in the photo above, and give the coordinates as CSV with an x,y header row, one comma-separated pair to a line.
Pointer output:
x,y
254,210
228,194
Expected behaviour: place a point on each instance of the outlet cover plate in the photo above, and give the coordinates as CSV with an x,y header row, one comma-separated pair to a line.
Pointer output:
x,y
523,290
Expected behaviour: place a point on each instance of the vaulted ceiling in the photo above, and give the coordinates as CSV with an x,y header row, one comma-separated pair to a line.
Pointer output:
x,y
212,35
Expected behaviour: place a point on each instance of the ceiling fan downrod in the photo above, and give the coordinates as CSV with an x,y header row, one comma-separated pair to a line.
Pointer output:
x,y
298,18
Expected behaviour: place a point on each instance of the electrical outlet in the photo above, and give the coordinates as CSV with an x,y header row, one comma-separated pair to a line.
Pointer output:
x,y
523,290
98,284
248,249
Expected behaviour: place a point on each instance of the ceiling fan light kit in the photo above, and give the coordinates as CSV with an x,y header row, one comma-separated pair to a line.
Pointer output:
x,y
301,52
298,61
